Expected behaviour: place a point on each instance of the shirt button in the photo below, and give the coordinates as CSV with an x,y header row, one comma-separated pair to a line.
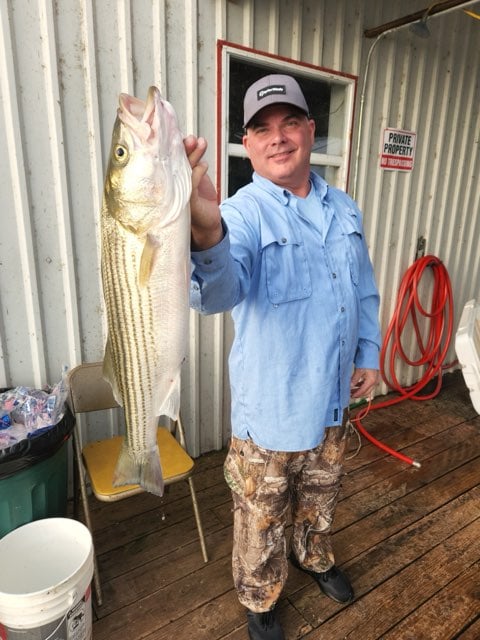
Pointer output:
x,y
334,275
283,240
207,261
342,309
196,287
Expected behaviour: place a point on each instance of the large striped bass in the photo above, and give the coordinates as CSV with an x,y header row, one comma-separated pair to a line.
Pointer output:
x,y
145,228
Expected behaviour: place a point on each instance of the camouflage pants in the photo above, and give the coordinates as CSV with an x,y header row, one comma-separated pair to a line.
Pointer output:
x,y
267,486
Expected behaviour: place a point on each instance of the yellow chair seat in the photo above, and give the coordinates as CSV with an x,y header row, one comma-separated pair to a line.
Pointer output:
x,y
101,457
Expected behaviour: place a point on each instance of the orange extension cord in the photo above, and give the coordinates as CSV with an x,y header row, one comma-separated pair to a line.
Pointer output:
x,y
432,351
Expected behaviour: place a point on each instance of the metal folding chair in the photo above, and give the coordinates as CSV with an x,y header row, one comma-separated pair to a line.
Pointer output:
x,y
90,392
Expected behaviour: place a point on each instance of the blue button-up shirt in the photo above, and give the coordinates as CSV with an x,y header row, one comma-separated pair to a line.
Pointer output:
x,y
297,276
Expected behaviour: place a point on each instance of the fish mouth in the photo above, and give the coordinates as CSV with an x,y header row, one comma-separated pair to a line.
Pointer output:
x,y
150,121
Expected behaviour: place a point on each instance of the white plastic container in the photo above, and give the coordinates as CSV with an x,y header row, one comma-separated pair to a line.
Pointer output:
x,y
45,577
467,346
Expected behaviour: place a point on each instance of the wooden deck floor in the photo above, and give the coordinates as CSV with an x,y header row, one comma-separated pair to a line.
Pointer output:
x,y
408,538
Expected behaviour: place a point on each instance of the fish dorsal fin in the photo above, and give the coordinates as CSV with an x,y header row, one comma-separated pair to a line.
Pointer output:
x,y
147,260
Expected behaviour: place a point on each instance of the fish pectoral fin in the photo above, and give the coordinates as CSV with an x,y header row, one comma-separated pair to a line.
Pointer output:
x,y
147,260
109,372
169,403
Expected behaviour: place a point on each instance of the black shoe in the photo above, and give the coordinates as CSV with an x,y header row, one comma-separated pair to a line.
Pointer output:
x,y
333,582
264,626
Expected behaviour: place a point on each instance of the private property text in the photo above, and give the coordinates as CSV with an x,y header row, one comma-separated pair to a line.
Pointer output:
x,y
398,149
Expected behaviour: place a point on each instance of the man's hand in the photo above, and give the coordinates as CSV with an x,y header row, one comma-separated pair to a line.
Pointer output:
x,y
206,218
363,382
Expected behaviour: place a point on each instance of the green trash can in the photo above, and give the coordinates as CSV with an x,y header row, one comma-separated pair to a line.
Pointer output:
x,y
34,477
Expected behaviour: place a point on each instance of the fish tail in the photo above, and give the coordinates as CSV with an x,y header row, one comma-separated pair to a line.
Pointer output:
x,y
127,470
144,470
151,478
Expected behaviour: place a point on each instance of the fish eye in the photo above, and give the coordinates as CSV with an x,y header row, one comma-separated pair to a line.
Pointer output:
x,y
120,153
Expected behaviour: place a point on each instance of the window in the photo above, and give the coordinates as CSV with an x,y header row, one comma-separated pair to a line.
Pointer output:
x,y
330,99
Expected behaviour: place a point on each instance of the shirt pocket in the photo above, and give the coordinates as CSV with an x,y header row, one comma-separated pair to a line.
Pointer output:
x,y
354,247
287,271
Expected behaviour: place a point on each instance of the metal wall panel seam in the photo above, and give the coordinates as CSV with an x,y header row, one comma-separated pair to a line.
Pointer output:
x,y
159,31
273,26
223,127
318,20
220,20
453,167
433,228
125,46
358,37
22,206
62,209
219,319
191,124
92,114
218,373
297,32
160,73
336,60
415,198
429,91
191,65
248,21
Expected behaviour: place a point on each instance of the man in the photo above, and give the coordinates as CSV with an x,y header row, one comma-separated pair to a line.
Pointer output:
x,y
287,255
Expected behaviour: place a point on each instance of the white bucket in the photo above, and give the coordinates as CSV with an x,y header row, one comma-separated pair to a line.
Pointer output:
x,y
46,568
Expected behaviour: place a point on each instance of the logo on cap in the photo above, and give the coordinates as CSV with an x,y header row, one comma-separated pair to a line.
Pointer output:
x,y
267,91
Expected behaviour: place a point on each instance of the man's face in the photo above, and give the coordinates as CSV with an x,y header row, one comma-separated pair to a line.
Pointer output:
x,y
278,141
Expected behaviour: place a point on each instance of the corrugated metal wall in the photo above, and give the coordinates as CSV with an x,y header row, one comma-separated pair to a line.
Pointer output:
x,y
62,66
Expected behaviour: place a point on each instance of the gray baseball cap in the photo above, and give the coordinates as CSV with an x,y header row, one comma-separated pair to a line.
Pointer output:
x,y
272,89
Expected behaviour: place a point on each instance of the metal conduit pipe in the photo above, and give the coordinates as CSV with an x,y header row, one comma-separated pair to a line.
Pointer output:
x,y
436,8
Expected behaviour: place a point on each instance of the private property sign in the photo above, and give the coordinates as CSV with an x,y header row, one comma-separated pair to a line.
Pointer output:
x,y
398,150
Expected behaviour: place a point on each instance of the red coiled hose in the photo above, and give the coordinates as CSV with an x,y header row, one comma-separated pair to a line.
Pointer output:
x,y
438,320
